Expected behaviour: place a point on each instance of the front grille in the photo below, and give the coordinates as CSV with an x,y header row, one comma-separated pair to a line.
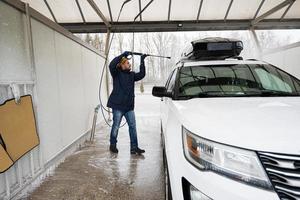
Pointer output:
x,y
284,173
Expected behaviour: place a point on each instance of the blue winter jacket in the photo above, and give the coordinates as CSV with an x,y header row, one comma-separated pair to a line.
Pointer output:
x,y
122,95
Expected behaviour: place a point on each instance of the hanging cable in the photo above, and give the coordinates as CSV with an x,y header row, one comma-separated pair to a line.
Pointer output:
x,y
133,32
103,108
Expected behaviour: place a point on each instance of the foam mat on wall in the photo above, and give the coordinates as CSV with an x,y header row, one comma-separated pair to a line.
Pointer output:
x,y
18,127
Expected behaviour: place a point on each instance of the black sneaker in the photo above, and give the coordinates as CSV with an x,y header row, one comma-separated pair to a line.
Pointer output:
x,y
113,148
137,151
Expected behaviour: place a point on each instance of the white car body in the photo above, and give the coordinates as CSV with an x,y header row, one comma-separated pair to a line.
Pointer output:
x,y
261,124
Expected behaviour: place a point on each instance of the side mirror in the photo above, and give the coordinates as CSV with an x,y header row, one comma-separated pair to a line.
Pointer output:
x,y
160,92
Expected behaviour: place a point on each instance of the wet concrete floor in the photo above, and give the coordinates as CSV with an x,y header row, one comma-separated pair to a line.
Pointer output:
x,y
94,173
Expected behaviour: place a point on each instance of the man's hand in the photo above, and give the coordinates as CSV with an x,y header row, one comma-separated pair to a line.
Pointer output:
x,y
143,56
126,54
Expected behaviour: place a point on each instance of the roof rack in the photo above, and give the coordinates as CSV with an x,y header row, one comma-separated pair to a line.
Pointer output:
x,y
213,48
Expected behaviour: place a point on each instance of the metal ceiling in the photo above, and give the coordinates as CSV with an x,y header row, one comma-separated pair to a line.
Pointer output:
x,y
170,15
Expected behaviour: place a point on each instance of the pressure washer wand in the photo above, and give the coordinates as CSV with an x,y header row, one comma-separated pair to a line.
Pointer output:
x,y
167,57
140,54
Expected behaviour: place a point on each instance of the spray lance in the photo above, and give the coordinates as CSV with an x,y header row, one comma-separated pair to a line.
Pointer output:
x,y
131,53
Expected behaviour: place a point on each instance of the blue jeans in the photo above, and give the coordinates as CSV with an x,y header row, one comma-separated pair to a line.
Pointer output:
x,y
130,118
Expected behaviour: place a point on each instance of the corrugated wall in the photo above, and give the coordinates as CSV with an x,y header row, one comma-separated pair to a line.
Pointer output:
x,y
65,92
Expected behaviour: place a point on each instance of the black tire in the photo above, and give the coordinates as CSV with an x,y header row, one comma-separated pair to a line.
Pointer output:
x,y
168,192
161,137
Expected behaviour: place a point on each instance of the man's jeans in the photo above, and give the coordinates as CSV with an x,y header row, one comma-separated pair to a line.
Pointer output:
x,y
130,118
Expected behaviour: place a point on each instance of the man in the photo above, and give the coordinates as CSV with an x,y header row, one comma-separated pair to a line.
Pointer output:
x,y
121,100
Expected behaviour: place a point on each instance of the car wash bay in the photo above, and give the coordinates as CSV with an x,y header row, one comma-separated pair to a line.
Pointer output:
x,y
40,57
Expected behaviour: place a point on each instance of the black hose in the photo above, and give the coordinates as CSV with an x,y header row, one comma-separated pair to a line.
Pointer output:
x,y
101,78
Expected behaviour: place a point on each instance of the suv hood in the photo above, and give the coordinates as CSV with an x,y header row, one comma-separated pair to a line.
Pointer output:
x,y
269,124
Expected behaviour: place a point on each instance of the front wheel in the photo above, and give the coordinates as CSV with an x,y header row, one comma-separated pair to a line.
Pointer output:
x,y
168,193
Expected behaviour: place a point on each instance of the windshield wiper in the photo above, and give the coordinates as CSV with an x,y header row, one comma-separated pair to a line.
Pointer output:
x,y
267,93
203,94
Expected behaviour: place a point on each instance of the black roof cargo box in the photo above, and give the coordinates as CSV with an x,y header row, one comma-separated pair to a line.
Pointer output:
x,y
214,48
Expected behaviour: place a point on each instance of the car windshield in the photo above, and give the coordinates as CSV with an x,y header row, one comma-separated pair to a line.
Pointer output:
x,y
236,81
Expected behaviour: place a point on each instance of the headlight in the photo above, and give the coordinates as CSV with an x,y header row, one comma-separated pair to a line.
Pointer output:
x,y
235,163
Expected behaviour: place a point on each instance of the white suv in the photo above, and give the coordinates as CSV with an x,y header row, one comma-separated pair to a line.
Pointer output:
x,y
230,131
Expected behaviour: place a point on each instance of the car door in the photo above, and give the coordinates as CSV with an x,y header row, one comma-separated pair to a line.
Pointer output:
x,y
165,103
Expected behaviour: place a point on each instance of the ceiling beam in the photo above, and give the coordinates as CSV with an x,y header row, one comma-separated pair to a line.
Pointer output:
x,y
50,10
165,26
271,11
282,48
140,13
256,40
228,9
80,10
140,10
259,8
199,10
99,13
287,10
169,11
109,10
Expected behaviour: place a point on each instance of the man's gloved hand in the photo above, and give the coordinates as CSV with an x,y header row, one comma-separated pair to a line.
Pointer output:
x,y
126,54
143,59
143,56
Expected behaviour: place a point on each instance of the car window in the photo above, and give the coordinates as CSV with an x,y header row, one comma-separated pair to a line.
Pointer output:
x,y
171,84
168,80
272,82
297,84
236,80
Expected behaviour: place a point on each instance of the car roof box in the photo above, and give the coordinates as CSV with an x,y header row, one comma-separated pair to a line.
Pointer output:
x,y
214,48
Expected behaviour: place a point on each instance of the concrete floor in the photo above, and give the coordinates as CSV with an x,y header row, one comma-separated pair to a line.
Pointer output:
x,y
94,173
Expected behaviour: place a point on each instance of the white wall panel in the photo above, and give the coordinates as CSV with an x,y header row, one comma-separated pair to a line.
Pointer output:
x,y
287,60
92,66
71,88
12,177
48,90
2,185
14,59
98,70
25,171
